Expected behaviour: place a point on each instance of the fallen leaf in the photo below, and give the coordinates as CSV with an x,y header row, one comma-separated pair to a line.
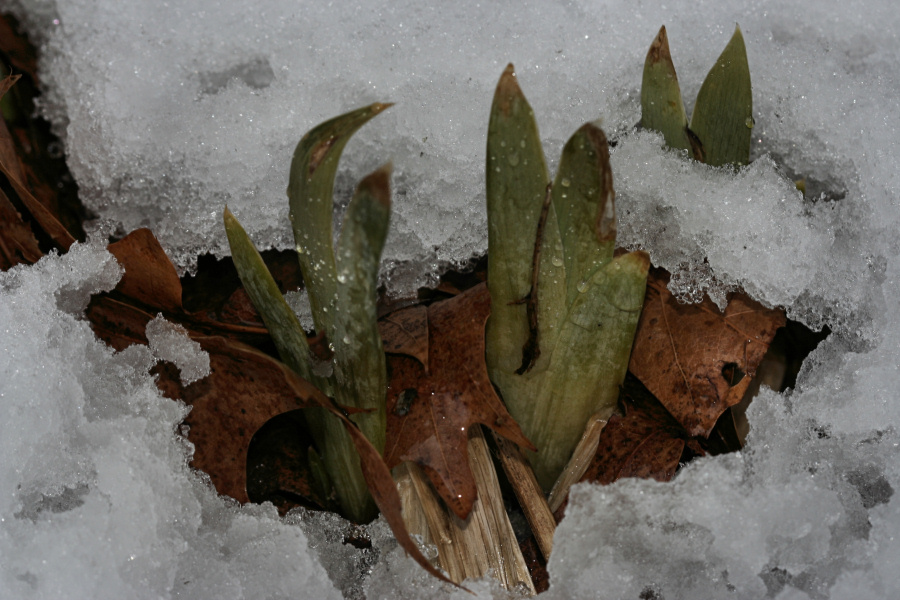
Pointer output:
x,y
150,276
11,166
406,332
16,48
647,442
278,469
439,406
246,388
17,241
697,360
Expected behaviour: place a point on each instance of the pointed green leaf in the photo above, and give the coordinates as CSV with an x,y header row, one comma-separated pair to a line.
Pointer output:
x,y
516,178
280,320
360,370
310,191
723,114
584,203
661,107
589,363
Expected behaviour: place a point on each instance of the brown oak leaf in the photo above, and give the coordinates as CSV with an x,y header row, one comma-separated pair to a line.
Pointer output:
x,y
697,360
647,442
405,331
429,413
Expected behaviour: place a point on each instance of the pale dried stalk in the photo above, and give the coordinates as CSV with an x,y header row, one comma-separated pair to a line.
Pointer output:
x,y
528,491
485,541
580,461
413,513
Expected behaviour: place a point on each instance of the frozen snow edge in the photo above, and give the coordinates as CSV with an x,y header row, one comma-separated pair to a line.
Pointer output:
x,y
99,500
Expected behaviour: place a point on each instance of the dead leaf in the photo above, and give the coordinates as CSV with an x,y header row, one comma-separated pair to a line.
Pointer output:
x,y
16,48
445,402
17,242
697,360
245,389
647,442
11,166
117,323
150,276
405,331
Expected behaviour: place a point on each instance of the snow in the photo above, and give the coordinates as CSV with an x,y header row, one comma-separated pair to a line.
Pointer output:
x,y
169,110
97,497
170,342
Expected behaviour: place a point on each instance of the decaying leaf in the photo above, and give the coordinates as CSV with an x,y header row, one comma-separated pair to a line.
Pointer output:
x,y
442,404
12,168
647,442
697,360
255,373
278,465
17,242
150,276
245,389
405,331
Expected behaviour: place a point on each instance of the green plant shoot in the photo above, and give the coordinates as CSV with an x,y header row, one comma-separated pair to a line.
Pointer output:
x,y
661,107
721,125
564,309
342,288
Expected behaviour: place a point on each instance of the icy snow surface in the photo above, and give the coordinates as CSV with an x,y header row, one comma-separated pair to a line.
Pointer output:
x,y
171,109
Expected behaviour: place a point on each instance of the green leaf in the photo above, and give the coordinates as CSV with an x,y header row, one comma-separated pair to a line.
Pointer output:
x,y
360,371
280,320
554,283
588,308
310,191
584,204
517,179
588,363
723,114
661,107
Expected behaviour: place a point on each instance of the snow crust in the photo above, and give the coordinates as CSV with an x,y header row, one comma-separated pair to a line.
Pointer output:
x,y
97,499
170,342
170,110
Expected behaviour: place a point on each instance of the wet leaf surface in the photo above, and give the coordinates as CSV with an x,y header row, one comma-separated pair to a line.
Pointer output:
x,y
438,407
697,360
